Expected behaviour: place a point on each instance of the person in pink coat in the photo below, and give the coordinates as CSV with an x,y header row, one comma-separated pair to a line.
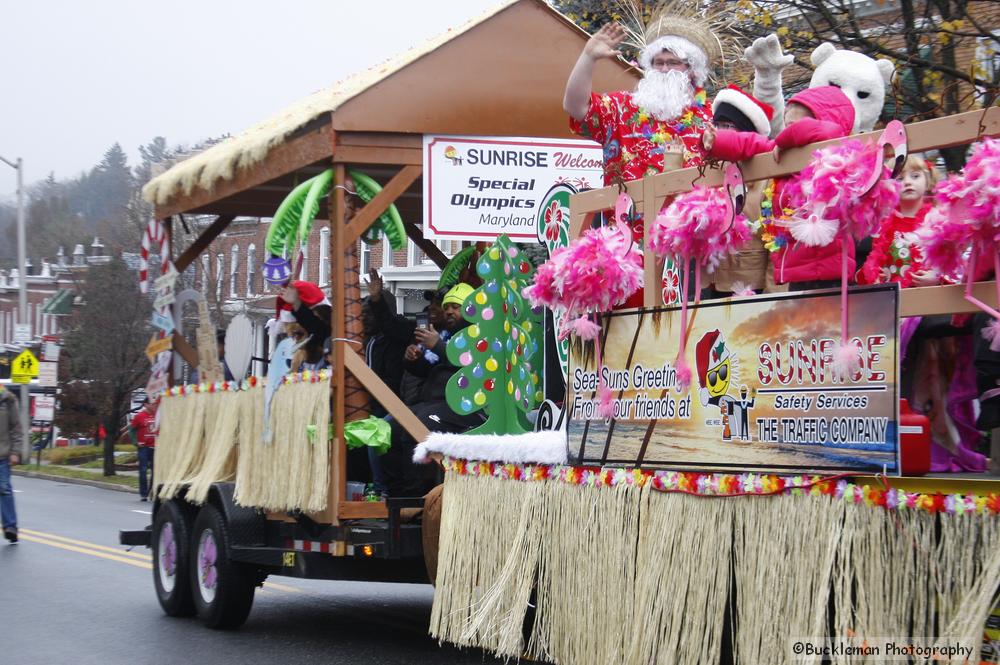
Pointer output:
x,y
811,115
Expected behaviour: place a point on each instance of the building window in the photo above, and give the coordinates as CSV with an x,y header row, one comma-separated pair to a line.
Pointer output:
x,y
988,59
324,256
206,272
233,265
220,268
364,258
251,266
386,254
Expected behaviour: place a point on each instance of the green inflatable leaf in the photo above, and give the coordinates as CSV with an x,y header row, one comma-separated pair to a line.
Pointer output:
x,y
453,271
287,219
389,222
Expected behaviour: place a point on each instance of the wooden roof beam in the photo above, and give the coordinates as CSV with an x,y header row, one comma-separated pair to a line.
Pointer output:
x,y
203,241
378,205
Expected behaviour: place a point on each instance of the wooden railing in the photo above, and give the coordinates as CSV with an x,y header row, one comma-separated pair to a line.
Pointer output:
x,y
650,193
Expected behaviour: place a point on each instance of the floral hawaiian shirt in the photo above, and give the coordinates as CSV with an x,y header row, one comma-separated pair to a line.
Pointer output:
x,y
634,140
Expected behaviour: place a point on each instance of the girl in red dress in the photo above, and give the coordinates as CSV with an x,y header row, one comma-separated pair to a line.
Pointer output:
x,y
895,255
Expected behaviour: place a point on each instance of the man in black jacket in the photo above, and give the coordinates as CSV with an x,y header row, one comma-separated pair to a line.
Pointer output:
x,y
428,359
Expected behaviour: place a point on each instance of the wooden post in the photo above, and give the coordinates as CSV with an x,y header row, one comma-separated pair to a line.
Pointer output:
x,y
338,458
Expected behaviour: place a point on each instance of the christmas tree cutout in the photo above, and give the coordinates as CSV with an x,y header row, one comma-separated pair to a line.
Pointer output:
x,y
497,354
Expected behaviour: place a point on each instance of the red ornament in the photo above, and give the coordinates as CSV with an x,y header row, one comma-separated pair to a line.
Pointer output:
x,y
508,366
524,267
489,384
482,345
505,308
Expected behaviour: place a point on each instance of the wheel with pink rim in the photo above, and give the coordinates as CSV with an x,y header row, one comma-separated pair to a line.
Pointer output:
x,y
222,589
171,560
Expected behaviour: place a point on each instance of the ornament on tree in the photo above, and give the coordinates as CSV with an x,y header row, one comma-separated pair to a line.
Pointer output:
x,y
496,353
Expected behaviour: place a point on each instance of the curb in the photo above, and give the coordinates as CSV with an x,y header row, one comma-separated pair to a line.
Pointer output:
x,y
74,481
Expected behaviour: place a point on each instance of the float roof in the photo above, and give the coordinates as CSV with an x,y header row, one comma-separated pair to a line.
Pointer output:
x,y
501,74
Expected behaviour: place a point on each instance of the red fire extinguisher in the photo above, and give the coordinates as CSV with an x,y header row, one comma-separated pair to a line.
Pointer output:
x,y
914,441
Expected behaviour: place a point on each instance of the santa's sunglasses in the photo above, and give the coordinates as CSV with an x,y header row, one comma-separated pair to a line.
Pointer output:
x,y
720,374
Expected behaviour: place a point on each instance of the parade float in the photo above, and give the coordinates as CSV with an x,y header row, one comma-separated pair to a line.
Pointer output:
x,y
719,481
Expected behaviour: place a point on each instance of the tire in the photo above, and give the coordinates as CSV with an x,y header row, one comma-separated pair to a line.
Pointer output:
x,y
222,589
171,540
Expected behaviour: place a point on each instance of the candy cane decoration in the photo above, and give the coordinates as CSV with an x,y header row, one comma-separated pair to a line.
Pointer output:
x,y
155,233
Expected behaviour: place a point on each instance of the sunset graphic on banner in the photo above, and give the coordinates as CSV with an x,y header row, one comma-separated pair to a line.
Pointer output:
x,y
764,393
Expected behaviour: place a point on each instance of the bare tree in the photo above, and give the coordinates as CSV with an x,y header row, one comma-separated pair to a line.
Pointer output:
x,y
105,345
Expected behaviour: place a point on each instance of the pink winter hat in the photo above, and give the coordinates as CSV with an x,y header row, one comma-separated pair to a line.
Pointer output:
x,y
828,103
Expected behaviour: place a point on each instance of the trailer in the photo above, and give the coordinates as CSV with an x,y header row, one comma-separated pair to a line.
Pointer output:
x,y
211,550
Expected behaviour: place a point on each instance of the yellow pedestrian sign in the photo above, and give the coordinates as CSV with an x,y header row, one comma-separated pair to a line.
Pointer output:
x,y
24,368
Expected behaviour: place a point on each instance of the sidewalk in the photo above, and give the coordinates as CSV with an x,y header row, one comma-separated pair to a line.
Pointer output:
x,y
122,481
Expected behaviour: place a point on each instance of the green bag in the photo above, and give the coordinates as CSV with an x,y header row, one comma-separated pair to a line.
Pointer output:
x,y
371,431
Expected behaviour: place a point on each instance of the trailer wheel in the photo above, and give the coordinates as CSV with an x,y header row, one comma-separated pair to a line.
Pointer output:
x,y
171,539
222,589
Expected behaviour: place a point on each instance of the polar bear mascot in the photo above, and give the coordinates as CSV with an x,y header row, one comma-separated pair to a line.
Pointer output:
x,y
862,79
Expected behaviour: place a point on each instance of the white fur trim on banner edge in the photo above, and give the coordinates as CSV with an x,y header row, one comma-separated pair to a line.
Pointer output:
x,y
547,447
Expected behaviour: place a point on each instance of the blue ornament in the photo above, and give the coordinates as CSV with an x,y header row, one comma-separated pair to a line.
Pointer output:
x,y
277,270
459,342
477,371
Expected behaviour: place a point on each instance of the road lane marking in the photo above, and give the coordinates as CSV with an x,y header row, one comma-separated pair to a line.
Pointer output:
x,y
83,543
268,584
146,512
72,548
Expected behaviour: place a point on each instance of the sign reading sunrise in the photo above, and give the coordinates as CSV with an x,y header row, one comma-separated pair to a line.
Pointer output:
x,y
764,394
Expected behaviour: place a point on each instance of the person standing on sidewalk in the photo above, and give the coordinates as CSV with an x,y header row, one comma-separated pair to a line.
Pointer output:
x,y
12,450
145,429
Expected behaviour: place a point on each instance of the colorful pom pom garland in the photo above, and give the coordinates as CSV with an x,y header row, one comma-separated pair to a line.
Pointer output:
x,y
308,376
732,485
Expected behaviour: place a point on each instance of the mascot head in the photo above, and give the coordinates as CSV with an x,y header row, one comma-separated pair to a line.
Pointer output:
x,y
862,79
712,358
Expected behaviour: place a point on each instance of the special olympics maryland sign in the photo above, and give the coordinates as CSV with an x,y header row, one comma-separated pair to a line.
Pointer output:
x,y
477,187
764,394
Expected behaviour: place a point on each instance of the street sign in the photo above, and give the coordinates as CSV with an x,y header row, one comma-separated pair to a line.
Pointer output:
x,y
45,407
48,374
25,367
163,322
22,333
157,346
50,351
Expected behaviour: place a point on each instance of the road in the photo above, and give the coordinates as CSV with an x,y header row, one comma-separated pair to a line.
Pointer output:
x,y
70,594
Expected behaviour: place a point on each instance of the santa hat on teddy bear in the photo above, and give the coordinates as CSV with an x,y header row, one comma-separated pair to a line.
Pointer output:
x,y
746,112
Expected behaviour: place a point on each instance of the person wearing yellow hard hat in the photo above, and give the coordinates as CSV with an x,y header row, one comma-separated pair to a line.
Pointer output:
x,y
427,358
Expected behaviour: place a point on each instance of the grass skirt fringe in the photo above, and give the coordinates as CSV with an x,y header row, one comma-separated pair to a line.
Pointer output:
x,y
292,472
628,575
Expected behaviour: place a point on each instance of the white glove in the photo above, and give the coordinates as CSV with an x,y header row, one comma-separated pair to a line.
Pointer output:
x,y
769,62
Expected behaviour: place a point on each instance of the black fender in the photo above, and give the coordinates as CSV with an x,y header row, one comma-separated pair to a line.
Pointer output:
x,y
246,527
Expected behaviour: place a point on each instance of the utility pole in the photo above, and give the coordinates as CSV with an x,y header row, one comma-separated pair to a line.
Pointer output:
x,y
22,291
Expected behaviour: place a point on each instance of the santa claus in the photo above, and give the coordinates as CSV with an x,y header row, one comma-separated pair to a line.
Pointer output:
x,y
664,115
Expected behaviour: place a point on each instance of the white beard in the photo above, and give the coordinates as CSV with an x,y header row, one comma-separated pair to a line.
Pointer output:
x,y
664,94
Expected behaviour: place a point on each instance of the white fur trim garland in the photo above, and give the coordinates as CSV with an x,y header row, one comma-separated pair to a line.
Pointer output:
x,y
532,447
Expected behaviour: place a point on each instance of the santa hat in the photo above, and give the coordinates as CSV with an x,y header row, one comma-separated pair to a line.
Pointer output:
x,y
710,351
310,295
748,113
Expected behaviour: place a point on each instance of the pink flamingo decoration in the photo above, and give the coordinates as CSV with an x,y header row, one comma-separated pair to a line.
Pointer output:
x,y
893,136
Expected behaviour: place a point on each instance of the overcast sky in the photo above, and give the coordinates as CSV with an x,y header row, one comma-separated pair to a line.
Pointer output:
x,y
77,76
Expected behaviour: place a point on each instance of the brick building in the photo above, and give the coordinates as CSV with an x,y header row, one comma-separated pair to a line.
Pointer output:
x,y
52,290
235,283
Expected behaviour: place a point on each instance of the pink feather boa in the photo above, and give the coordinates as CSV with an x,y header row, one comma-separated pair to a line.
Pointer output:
x,y
829,198
699,224
594,273
967,211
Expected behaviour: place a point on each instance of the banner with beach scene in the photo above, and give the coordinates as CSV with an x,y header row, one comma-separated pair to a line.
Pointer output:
x,y
764,393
